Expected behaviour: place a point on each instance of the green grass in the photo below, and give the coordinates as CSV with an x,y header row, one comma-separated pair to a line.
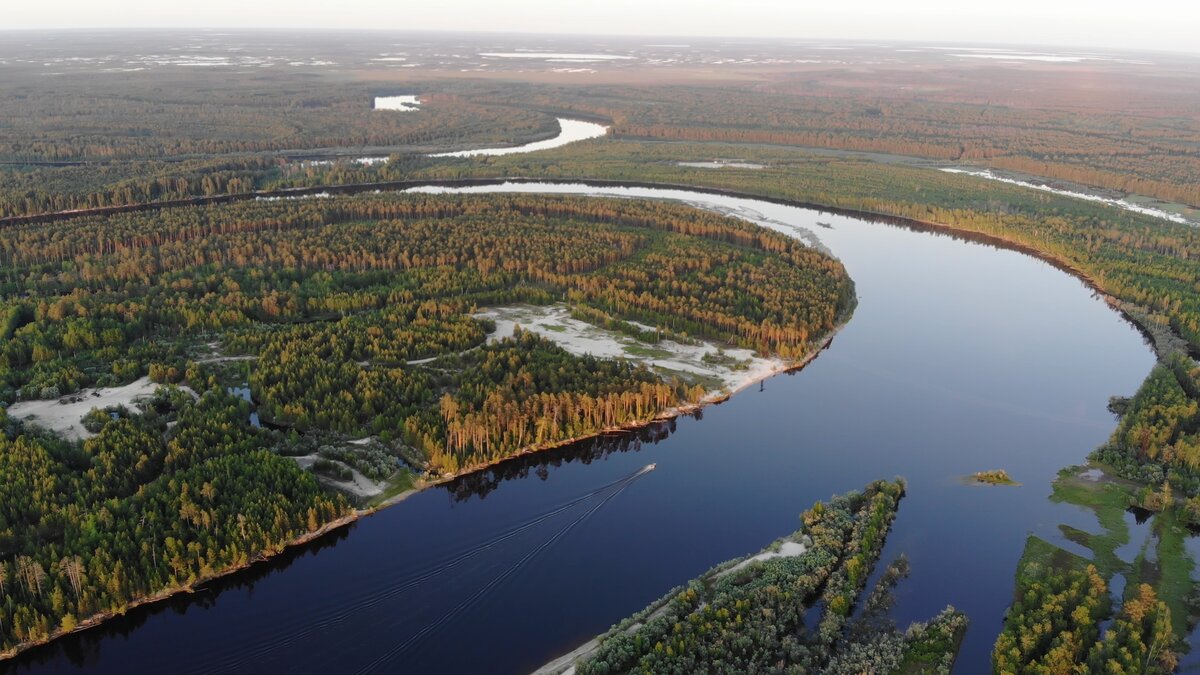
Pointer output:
x,y
1171,573
1041,554
709,382
647,352
401,482
1109,501
1169,570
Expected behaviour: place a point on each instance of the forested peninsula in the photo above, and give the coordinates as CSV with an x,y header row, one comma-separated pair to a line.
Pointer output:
x,y
796,607
347,318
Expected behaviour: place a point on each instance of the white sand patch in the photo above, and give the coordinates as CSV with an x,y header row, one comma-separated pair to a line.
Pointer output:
x,y
739,367
358,485
65,419
317,195
227,359
788,549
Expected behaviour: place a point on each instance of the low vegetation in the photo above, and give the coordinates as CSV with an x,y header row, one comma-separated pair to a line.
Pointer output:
x,y
1063,610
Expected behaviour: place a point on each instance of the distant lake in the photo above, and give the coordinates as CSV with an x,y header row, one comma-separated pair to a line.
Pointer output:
x,y
397,103
960,357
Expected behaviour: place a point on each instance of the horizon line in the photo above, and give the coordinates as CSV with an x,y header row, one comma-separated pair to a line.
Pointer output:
x,y
864,42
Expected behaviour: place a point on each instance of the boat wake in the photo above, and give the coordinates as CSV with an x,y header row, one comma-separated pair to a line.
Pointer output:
x,y
340,609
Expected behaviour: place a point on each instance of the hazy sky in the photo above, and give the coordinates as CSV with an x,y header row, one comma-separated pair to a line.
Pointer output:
x,y
1152,24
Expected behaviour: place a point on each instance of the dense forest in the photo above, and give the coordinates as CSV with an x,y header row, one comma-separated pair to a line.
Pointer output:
x,y
329,302
186,115
155,501
1054,626
335,296
75,142
1158,438
1144,262
789,612
353,317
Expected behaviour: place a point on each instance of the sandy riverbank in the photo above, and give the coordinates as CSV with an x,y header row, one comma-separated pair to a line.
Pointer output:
x,y
130,393
721,370
791,546
782,366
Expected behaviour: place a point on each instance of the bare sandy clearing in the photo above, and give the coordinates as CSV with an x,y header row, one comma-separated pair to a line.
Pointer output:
x,y
788,549
733,369
65,418
358,485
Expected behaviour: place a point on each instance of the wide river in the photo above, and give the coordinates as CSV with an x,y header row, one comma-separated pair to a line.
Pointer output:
x,y
960,357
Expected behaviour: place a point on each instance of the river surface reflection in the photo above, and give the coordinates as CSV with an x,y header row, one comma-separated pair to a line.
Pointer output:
x,y
960,357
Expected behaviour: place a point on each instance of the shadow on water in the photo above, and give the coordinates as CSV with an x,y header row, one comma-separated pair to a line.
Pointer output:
x,y
483,483
1011,364
83,649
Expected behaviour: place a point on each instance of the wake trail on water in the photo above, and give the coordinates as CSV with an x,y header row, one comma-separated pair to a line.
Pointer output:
x,y
338,609
479,594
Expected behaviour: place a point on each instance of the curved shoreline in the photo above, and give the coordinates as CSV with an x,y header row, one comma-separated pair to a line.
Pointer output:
x,y
864,214
669,414
911,223
99,618
569,131
401,185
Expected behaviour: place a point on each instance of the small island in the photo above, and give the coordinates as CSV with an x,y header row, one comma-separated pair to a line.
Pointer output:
x,y
993,477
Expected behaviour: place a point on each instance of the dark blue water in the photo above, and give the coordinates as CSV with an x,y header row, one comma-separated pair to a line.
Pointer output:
x,y
960,357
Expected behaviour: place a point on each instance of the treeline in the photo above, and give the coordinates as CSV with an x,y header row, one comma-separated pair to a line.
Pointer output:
x,y
526,393
1054,626
1112,142
32,190
1158,437
170,114
155,501
752,617
1147,263
1109,144
77,141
